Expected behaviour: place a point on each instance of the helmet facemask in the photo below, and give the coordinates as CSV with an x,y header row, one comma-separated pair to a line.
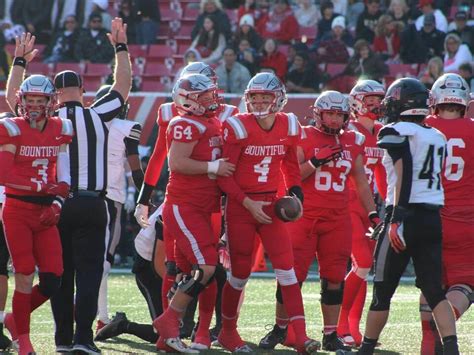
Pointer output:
x,y
262,103
32,111
203,103
369,105
327,125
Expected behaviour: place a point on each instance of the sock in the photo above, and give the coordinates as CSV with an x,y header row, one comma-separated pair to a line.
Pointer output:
x,y
329,329
293,302
221,278
102,308
229,306
368,346
207,301
37,298
143,331
168,282
282,322
450,345
355,314
290,339
25,344
21,305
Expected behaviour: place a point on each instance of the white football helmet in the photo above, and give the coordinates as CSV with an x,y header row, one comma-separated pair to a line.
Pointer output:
x,y
450,89
359,92
36,85
330,101
187,95
199,68
266,83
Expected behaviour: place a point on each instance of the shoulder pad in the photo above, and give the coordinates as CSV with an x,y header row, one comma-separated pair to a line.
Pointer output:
x,y
180,120
11,127
66,127
303,134
359,138
166,112
227,111
389,137
293,125
238,127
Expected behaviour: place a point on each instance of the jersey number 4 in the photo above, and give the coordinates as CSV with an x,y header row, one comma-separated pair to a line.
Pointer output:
x,y
427,171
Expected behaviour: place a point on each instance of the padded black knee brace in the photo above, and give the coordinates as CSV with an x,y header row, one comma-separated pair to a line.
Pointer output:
x,y
49,283
331,297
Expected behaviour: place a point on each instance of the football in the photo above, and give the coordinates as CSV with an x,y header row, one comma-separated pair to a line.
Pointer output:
x,y
288,208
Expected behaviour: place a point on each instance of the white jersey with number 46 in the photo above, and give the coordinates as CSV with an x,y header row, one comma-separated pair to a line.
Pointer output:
x,y
422,149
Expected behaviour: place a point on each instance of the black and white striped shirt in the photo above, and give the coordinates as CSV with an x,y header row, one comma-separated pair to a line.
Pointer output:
x,y
88,149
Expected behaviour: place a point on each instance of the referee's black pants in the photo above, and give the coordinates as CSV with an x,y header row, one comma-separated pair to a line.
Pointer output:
x,y
82,228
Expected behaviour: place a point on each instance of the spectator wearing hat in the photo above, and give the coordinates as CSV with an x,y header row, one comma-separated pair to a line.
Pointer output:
x,y
325,24
302,78
427,7
387,38
367,21
307,13
232,77
273,59
61,48
456,53
247,31
333,46
93,46
280,23
214,8
461,28
431,37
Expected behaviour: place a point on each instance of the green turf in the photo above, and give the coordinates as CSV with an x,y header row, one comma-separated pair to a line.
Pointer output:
x,y
401,335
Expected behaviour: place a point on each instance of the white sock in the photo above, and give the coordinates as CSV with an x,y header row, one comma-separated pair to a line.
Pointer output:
x,y
103,311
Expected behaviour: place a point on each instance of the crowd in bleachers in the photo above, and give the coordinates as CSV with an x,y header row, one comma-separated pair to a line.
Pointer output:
x,y
310,44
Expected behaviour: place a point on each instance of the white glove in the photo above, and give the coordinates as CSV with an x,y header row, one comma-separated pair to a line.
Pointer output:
x,y
141,215
129,204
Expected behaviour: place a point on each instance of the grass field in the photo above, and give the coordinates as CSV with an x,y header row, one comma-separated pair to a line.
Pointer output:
x,y
401,335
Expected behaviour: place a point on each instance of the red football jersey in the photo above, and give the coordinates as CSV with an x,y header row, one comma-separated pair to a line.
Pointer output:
x,y
259,154
458,175
36,151
200,191
374,168
328,187
166,112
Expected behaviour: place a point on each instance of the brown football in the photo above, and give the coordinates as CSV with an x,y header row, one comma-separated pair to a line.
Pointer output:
x,y
288,209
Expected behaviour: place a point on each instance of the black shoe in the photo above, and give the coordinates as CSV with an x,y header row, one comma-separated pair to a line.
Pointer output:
x,y
116,327
331,342
89,348
64,349
273,338
5,343
344,352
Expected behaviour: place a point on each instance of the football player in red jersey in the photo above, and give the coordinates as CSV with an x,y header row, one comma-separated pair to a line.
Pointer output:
x,y
364,101
194,142
449,101
165,113
328,155
35,173
260,143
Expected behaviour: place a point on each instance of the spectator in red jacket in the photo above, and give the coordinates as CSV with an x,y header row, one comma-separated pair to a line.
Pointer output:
x,y
272,58
279,23
387,38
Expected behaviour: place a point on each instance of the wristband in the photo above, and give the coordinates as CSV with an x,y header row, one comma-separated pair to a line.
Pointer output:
x,y
311,164
373,214
58,201
120,47
21,61
213,166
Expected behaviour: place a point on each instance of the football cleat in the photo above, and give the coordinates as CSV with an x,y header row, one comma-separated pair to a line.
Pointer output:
x,y
5,343
331,342
9,322
180,347
274,337
112,329
89,348
230,339
63,349
311,346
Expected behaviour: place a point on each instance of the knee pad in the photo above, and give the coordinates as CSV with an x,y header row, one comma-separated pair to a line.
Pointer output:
x,y
171,268
465,290
362,272
425,308
238,284
286,277
433,295
382,296
331,297
49,283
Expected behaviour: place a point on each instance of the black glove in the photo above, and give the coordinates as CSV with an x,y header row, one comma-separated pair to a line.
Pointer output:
x,y
296,191
326,154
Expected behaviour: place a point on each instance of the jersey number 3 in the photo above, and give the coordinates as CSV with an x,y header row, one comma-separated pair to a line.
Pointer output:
x,y
42,166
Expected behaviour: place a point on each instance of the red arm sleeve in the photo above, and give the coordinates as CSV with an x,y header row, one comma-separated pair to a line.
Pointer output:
x,y
157,159
381,180
291,167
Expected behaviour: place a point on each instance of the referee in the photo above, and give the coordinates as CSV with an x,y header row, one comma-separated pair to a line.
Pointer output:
x,y
84,216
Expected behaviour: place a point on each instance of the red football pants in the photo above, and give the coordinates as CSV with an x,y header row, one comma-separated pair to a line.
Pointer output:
x,y
30,243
